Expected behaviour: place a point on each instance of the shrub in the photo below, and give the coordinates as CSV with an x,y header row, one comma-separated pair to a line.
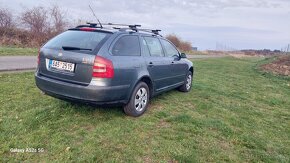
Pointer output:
x,y
179,43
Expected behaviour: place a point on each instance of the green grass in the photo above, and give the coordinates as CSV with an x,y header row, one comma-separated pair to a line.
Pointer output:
x,y
15,51
233,113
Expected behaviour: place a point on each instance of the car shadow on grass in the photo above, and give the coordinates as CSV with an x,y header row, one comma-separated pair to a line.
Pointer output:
x,y
91,109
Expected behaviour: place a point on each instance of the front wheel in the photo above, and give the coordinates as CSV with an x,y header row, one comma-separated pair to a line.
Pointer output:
x,y
139,100
186,87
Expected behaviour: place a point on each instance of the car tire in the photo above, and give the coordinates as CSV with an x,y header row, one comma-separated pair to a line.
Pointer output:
x,y
139,100
186,87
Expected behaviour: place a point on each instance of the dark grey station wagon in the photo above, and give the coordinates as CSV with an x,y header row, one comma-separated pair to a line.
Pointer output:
x,y
115,64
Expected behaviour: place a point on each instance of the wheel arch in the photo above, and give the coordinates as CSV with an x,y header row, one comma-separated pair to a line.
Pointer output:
x,y
146,79
191,69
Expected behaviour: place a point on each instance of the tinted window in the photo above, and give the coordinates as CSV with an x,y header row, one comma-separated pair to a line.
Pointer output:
x,y
154,46
169,48
127,46
78,39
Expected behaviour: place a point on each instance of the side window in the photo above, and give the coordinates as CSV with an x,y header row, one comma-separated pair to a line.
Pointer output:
x,y
127,46
169,49
154,46
145,47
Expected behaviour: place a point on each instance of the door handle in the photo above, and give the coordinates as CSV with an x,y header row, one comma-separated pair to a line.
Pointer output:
x,y
172,62
151,64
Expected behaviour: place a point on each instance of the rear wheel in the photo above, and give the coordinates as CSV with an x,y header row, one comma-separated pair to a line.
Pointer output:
x,y
139,100
186,87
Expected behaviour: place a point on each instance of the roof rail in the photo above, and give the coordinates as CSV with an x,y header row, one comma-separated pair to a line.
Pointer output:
x,y
154,31
95,25
133,27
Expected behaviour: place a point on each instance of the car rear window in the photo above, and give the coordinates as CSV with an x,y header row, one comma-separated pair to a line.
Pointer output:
x,y
84,40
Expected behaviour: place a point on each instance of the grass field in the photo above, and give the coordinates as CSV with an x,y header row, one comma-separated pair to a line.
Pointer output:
x,y
233,113
14,51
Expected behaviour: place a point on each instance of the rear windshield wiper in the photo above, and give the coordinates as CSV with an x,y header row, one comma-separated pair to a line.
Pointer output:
x,y
74,48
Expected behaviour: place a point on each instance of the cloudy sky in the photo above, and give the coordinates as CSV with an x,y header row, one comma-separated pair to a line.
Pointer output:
x,y
238,24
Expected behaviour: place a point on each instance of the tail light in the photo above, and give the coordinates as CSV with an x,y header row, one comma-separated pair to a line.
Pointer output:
x,y
103,68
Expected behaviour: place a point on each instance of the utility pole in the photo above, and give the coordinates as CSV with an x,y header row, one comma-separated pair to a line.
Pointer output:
x,y
288,47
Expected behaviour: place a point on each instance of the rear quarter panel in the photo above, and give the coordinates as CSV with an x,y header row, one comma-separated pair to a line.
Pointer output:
x,y
127,69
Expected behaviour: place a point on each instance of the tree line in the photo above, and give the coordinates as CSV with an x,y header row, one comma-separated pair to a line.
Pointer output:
x,y
32,27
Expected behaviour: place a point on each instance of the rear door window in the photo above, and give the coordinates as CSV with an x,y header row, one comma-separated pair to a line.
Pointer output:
x,y
127,46
170,50
74,39
154,46
145,47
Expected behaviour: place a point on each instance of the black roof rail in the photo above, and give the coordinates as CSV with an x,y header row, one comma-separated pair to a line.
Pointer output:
x,y
133,27
91,25
154,31
129,25
95,25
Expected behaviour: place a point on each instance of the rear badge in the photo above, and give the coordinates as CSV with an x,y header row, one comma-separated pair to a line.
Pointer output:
x,y
85,60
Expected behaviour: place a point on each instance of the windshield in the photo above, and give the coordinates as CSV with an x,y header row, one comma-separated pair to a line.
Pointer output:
x,y
77,40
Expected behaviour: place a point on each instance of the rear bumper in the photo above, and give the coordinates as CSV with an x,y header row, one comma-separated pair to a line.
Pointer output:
x,y
91,93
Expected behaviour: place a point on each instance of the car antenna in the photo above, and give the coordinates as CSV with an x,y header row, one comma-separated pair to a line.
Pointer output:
x,y
96,16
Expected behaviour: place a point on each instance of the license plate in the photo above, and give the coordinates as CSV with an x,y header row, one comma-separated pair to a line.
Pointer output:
x,y
59,65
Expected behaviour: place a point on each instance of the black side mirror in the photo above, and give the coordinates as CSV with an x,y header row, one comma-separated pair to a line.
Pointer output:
x,y
183,55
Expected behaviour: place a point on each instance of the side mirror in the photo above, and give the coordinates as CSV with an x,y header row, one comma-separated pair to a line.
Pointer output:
x,y
183,55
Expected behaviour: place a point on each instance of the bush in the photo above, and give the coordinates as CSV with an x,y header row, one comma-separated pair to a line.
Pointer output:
x,y
180,44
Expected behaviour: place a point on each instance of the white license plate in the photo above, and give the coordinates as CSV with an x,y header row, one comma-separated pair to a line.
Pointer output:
x,y
61,65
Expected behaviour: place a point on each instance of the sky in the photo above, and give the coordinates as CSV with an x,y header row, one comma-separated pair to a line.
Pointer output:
x,y
237,24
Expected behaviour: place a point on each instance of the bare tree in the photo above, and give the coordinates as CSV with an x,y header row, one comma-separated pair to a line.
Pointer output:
x,y
180,44
174,39
36,20
6,18
185,46
58,18
36,25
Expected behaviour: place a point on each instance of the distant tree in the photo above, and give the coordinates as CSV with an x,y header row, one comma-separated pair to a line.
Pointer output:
x,y
174,39
180,44
185,46
36,20
58,18
6,19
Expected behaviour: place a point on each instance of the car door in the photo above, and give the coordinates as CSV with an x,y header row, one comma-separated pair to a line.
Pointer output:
x,y
157,67
178,67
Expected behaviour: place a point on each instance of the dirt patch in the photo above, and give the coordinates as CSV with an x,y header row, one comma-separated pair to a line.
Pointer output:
x,y
163,124
147,159
280,66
